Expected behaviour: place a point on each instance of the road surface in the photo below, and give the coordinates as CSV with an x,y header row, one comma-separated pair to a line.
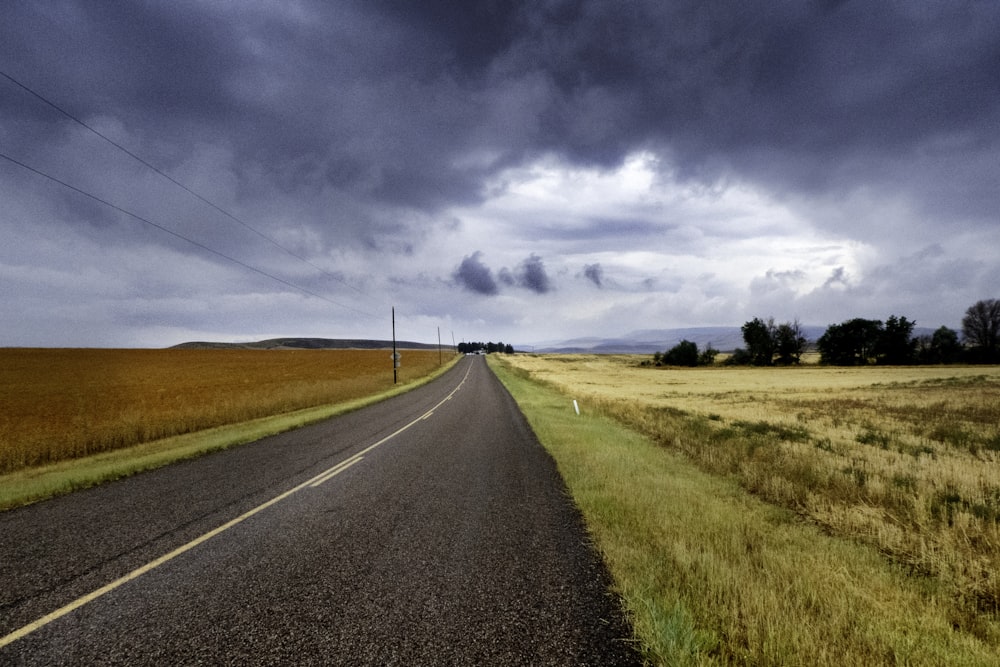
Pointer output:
x,y
431,529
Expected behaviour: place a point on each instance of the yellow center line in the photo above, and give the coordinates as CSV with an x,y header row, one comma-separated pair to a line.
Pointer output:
x,y
138,572
336,470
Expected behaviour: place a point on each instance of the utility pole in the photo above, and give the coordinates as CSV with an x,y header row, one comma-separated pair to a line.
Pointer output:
x,y
439,346
395,356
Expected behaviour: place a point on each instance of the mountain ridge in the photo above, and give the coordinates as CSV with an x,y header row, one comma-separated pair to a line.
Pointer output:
x,y
299,343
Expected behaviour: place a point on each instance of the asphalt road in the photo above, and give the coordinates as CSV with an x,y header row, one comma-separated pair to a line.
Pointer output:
x,y
431,529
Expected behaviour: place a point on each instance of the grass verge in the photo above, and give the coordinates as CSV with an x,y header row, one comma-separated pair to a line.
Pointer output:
x,y
709,574
30,485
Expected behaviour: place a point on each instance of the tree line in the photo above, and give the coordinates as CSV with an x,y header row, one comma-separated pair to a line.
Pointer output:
x,y
488,348
856,342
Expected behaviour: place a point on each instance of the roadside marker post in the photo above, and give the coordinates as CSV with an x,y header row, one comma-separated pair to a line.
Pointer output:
x,y
576,407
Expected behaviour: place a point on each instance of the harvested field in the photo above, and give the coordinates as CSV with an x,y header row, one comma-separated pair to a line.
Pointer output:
x,y
904,459
61,404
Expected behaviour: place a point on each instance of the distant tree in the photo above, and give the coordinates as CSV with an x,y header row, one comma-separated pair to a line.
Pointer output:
x,y
896,345
941,347
768,344
789,343
707,356
489,348
835,347
739,357
685,353
850,343
945,346
981,330
760,339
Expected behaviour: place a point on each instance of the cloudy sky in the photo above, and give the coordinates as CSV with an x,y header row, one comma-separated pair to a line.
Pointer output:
x,y
521,171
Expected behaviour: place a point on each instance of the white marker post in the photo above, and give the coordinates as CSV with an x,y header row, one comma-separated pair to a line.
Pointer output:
x,y
576,407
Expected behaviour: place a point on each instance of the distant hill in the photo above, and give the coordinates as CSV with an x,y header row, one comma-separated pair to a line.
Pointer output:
x,y
648,341
307,344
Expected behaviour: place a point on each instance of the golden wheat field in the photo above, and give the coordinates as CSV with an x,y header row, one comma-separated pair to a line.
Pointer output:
x,y
904,458
67,403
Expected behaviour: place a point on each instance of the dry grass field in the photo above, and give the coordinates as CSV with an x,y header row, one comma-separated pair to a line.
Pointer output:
x,y
67,403
904,459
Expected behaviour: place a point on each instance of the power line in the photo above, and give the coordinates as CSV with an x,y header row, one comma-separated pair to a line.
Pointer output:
x,y
173,180
178,235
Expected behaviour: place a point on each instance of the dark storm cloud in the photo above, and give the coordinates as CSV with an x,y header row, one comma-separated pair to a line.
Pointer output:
x,y
531,275
793,95
474,275
507,277
594,273
383,101
353,130
470,34
838,277
311,100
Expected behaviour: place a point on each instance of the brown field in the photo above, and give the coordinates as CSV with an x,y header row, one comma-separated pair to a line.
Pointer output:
x,y
904,459
61,404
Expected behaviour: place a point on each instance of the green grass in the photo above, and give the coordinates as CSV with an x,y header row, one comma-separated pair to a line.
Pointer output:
x,y
709,574
41,482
